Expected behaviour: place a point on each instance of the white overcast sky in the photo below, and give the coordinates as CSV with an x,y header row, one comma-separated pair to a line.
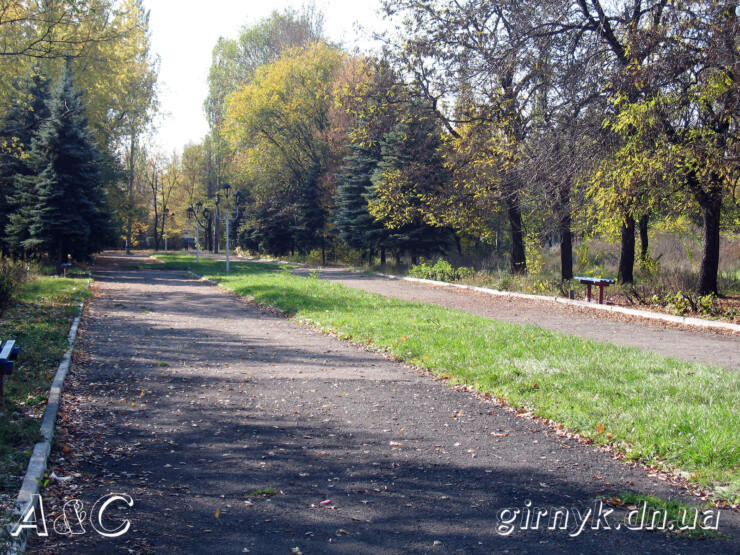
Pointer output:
x,y
184,33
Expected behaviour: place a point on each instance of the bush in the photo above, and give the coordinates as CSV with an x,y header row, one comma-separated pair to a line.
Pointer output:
x,y
440,271
12,274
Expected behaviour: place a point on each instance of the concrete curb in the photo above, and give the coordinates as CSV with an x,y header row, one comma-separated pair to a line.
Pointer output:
x,y
685,321
37,465
201,278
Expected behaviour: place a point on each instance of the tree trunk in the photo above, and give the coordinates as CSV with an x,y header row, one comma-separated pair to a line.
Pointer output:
x,y
215,234
566,236
132,149
398,258
644,246
518,257
711,208
627,254
382,256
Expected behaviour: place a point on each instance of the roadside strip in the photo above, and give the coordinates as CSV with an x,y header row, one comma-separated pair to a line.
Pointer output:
x,y
26,500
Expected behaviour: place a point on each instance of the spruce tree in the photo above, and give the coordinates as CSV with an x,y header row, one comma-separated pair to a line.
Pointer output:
x,y
310,216
17,128
67,215
353,222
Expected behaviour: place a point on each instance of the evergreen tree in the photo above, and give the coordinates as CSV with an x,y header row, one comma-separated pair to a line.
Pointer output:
x,y
66,215
310,215
353,222
17,129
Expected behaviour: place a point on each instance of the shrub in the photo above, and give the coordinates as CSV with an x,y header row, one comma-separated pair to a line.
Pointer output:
x,y
12,274
440,271
464,272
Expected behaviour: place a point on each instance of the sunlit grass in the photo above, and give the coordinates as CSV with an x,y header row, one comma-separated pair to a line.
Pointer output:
x,y
652,408
39,321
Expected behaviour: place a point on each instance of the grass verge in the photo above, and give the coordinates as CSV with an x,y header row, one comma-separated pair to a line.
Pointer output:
x,y
670,516
39,321
662,411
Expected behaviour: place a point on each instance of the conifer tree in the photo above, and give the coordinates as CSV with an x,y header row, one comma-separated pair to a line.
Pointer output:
x,y
66,216
310,215
353,222
17,129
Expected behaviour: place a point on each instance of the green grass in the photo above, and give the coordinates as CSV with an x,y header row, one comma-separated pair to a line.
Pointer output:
x,y
663,411
39,321
264,492
669,516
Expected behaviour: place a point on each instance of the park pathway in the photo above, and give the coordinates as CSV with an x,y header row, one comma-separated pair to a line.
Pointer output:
x,y
693,345
236,430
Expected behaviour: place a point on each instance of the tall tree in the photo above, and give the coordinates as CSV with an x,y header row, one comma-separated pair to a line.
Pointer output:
x,y
276,126
481,49
66,215
683,137
17,128
410,171
352,220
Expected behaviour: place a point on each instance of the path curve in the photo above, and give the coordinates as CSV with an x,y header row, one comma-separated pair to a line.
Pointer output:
x,y
710,347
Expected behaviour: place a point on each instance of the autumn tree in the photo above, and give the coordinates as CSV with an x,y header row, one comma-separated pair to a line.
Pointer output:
x,y
235,63
275,125
682,138
480,48
105,43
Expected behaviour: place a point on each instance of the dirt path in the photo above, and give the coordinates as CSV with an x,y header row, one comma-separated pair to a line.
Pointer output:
x,y
686,344
192,401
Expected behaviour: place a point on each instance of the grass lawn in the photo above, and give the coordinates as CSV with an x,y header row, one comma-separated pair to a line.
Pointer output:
x,y
39,321
657,409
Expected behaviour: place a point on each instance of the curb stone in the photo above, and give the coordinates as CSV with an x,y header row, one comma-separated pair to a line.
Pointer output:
x,y
683,320
37,464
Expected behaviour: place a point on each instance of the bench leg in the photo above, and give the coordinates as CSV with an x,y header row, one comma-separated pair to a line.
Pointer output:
x,y
588,292
601,294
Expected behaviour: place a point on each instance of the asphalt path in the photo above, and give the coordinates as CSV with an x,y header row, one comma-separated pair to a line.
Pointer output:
x,y
236,430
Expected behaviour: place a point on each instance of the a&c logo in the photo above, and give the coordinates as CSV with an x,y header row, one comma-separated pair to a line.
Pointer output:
x,y
71,521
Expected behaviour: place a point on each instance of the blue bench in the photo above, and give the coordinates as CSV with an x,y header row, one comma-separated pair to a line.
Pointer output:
x,y
8,354
600,282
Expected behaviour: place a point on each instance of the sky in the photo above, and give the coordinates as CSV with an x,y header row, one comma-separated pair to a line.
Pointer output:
x,y
184,33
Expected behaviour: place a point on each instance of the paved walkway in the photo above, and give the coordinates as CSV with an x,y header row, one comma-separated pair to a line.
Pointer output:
x,y
662,338
200,406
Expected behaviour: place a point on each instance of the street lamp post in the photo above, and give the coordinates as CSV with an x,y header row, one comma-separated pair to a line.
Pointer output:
x,y
166,213
228,217
194,212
